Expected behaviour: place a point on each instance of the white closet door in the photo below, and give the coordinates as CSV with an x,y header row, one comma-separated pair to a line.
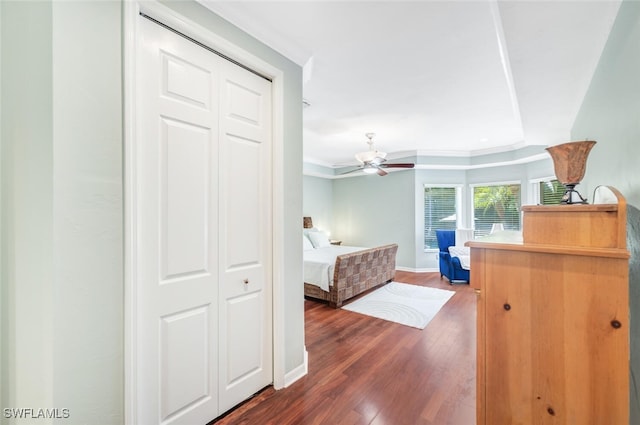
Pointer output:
x,y
193,319
245,235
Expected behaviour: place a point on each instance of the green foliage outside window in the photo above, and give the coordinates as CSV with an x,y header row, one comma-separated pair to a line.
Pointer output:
x,y
496,204
551,192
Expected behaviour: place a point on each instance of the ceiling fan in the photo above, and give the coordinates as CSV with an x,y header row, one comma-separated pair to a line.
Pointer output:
x,y
373,161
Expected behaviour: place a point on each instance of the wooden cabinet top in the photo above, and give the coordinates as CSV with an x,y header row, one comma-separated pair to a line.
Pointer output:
x,y
596,230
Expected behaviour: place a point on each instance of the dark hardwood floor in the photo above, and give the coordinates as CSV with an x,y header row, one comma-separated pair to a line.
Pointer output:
x,y
364,370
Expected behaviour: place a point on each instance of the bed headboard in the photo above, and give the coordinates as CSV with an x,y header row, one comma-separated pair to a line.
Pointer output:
x,y
307,223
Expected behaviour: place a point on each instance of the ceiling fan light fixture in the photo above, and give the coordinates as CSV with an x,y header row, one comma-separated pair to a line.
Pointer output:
x,y
371,155
374,162
367,156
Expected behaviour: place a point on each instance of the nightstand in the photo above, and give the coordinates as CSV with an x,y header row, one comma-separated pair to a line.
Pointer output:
x,y
335,242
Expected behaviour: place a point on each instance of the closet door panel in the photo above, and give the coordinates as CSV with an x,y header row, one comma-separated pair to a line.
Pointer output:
x,y
245,235
203,231
177,224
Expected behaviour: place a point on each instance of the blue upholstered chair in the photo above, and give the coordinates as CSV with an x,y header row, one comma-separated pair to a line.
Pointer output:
x,y
450,267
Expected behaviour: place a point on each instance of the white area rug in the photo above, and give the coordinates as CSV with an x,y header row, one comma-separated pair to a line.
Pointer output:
x,y
402,303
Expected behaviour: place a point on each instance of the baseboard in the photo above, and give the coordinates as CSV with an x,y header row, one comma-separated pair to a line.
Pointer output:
x,y
408,269
299,372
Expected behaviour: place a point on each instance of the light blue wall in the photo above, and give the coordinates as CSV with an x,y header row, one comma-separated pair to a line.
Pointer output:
x,y
540,169
27,202
62,244
317,202
86,300
610,114
370,210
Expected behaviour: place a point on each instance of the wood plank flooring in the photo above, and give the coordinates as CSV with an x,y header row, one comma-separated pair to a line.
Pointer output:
x,y
364,370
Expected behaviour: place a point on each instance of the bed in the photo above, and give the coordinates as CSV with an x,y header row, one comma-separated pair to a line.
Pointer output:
x,y
336,273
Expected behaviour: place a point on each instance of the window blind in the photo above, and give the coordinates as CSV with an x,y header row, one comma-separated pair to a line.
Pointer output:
x,y
496,204
440,212
551,192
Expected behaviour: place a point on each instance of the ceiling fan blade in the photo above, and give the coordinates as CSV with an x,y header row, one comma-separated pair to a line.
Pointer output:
x,y
398,165
381,172
352,171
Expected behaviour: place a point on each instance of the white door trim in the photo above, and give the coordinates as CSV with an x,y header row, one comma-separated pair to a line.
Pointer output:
x,y
197,32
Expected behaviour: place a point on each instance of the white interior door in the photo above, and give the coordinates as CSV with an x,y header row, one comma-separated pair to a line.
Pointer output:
x,y
245,235
203,344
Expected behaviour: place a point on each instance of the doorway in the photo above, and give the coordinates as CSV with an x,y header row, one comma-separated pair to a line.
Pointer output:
x,y
202,209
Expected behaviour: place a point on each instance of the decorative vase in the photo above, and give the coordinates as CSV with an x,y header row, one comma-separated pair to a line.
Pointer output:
x,y
569,164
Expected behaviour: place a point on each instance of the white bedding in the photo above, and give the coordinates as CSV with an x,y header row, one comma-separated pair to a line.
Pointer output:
x,y
463,253
319,264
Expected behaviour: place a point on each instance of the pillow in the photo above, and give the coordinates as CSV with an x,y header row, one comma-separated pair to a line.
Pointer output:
x,y
309,230
319,239
306,243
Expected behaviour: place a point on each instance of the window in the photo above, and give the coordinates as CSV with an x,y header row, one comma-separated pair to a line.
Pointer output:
x,y
496,204
551,192
546,191
441,206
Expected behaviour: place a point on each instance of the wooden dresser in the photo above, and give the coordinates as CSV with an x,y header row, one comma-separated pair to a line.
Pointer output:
x,y
553,318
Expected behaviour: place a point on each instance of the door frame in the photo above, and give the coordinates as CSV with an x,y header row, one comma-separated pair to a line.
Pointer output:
x,y
163,14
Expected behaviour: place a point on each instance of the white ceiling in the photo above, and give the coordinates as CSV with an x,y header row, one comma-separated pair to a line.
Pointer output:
x,y
446,78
